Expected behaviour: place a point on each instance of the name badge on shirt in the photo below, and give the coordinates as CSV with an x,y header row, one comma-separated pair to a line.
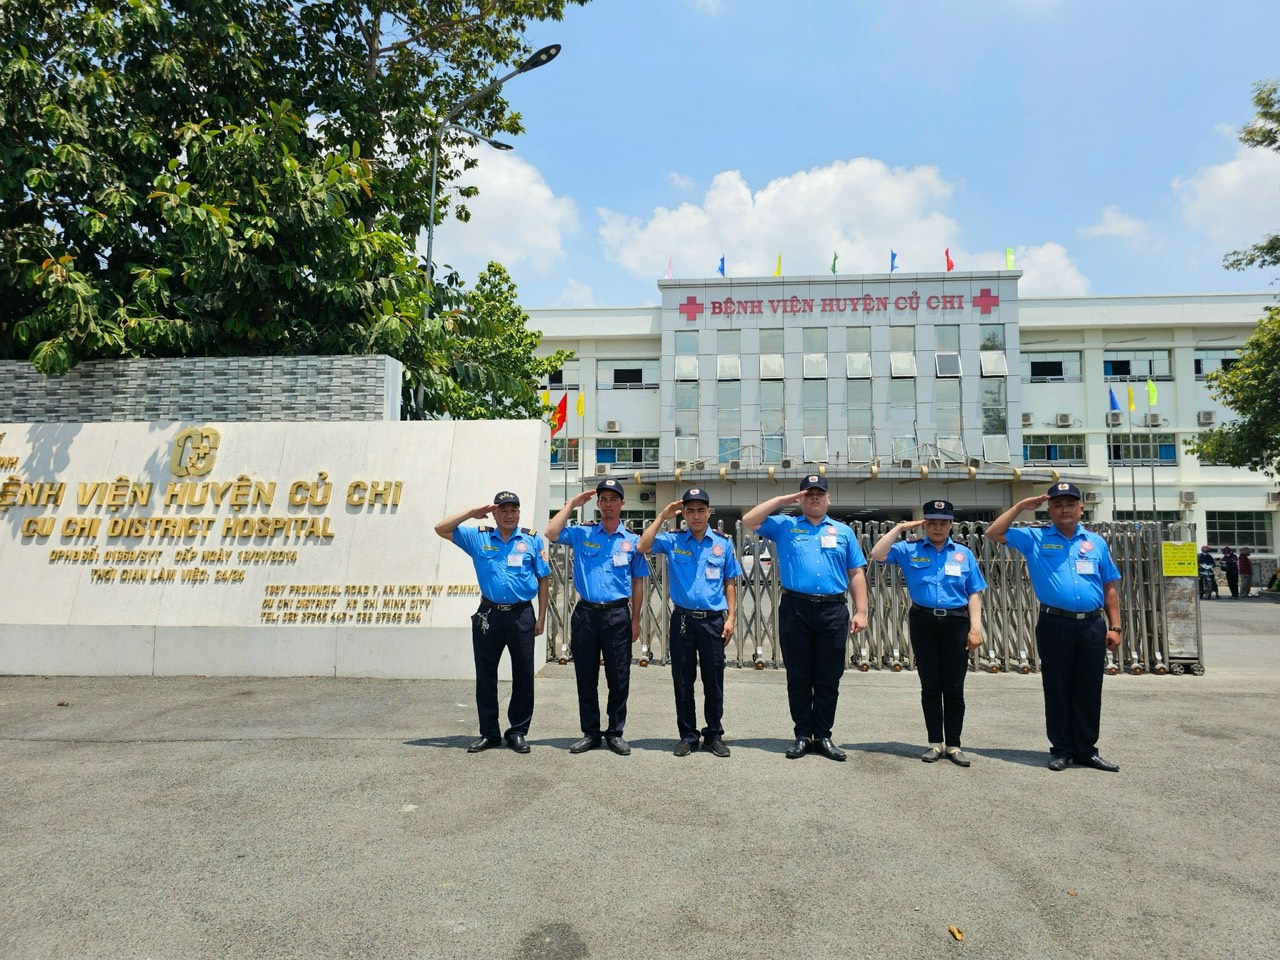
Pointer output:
x,y
713,572
621,559
515,560
830,541
1084,566
953,569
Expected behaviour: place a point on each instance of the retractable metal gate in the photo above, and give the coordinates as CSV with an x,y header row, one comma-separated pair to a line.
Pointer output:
x,y
1009,614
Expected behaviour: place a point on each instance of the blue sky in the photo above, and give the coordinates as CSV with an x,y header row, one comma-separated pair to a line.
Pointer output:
x,y
1097,139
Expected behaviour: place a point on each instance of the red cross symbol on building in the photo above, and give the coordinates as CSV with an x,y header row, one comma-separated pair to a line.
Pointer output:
x,y
691,308
985,301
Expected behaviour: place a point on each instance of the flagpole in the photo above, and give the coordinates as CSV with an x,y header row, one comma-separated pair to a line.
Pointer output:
x,y
1152,430
1114,503
1133,474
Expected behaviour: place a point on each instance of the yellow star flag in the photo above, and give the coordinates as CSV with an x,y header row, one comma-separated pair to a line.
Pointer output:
x,y
1131,398
1151,394
777,271
582,404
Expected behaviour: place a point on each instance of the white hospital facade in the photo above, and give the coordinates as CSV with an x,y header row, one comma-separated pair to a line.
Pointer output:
x,y
901,388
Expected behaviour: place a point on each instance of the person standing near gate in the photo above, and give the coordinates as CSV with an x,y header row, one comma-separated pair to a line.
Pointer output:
x,y
945,621
818,559
1246,572
702,571
608,572
1231,564
511,568
1075,579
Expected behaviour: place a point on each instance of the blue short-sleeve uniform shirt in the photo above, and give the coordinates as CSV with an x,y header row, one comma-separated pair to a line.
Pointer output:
x,y
813,557
697,569
937,576
603,563
507,570
1068,573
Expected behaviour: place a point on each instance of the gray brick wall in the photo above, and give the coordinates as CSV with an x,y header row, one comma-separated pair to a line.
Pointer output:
x,y
205,388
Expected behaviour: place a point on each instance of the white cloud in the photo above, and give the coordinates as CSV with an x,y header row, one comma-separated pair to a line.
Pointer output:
x,y
680,181
516,219
1115,223
1234,204
575,294
860,208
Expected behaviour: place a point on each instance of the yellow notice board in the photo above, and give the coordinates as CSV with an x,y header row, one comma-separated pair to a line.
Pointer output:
x,y
1178,559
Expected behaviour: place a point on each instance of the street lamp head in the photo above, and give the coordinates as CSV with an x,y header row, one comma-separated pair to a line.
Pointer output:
x,y
543,56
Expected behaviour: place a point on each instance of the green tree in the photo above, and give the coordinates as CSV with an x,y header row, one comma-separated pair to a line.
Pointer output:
x,y
151,205
1251,386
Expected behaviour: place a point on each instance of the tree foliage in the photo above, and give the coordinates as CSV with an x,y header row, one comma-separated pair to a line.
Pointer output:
x,y
243,177
1251,386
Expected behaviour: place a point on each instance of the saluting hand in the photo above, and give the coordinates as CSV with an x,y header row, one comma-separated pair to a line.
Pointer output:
x,y
910,524
671,509
790,498
1030,503
479,513
581,499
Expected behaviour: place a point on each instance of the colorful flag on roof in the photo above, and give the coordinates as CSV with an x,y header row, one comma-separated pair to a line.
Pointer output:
x,y
720,269
1151,393
668,268
1008,258
1115,404
834,258
777,271
559,415
950,265
893,261
1131,398
582,404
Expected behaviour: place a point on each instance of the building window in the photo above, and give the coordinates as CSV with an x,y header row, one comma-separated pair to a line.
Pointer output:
x,y
564,453
902,351
813,407
772,420
946,351
995,448
951,448
1061,367
902,400
1210,360
640,453
729,414
772,446
1136,365
771,352
815,450
1143,449
858,406
686,450
995,407
946,407
858,352
991,336
686,409
1238,528
991,350
566,378
861,449
904,448
1049,449
814,343
686,355
728,355
627,375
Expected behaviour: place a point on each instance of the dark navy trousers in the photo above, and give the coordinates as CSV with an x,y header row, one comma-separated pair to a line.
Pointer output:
x,y
942,661
510,630
1073,655
595,634
692,641
814,640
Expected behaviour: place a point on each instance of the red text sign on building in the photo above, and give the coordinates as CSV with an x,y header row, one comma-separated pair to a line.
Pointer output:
x,y
986,301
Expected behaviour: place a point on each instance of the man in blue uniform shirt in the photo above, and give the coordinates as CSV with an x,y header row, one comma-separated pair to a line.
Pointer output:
x,y
945,621
1075,581
702,571
609,573
818,560
511,568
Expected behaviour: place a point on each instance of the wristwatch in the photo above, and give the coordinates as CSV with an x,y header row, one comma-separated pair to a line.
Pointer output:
x,y
1113,629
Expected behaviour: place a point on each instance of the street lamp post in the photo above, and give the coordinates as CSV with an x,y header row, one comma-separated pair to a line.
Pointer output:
x,y
538,59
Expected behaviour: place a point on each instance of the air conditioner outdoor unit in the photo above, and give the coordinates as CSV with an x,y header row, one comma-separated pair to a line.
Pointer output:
x,y
602,469
612,426
1092,496
1186,496
786,463
1152,420
1114,418
935,463
735,464
1273,497
699,465
1064,420
682,463
646,496
1028,419
905,464
1205,418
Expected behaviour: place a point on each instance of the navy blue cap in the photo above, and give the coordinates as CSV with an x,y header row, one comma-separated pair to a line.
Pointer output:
x,y
939,510
813,480
611,485
1064,489
696,493
505,496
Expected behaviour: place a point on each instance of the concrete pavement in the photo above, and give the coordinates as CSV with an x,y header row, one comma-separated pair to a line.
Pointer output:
x,y
203,818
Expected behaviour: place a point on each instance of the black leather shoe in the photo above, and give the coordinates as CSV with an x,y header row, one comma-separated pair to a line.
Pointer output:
x,y
618,746
1097,763
484,743
1058,764
716,746
798,749
957,757
518,743
585,744
683,748
828,749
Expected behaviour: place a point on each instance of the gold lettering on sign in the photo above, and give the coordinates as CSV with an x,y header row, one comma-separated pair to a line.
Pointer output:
x,y
194,451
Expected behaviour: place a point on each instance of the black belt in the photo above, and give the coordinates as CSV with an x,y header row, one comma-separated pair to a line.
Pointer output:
x,y
815,597
611,605
962,612
486,603
1070,614
699,614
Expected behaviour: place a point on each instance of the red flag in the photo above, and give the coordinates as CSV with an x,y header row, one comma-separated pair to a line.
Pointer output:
x,y
947,254
559,415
